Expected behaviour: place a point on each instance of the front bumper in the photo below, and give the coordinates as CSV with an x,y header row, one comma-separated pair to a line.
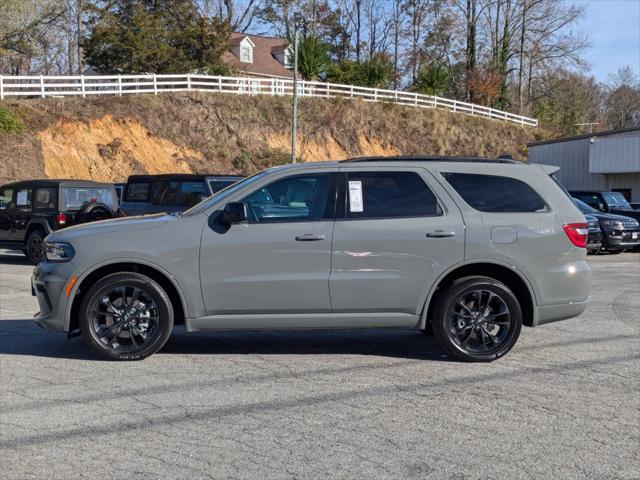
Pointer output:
x,y
594,240
623,239
48,283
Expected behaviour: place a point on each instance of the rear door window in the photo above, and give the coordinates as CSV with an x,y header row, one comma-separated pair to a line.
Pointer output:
x,y
389,194
496,194
137,192
46,199
181,193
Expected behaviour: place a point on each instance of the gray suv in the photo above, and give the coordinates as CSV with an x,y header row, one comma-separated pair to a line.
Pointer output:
x,y
467,249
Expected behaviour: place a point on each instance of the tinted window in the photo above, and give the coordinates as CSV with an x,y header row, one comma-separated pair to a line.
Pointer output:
x,y
192,193
593,200
45,199
217,185
584,208
6,197
137,192
389,195
298,198
23,199
491,193
76,197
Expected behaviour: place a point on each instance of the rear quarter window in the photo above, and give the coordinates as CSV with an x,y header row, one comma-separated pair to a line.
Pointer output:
x,y
493,193
137,192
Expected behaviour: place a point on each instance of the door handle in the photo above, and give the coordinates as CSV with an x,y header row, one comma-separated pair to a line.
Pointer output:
x,y
440,234
309,237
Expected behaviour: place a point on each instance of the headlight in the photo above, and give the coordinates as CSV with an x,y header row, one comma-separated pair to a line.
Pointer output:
x,y
58,251
612,224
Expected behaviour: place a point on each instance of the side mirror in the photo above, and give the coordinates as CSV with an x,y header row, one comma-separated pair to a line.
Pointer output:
x,y
234,212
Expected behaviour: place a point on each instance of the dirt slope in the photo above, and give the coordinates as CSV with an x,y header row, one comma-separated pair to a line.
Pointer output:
x,y
110,138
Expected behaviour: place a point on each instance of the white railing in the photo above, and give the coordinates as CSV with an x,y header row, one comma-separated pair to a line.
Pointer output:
x,y
81,85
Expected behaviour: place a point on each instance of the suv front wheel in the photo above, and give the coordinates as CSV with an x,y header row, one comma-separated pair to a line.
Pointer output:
x,y
126,316
477,319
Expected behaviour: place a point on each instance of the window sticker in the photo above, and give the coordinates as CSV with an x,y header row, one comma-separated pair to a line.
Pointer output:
x,y
355,196
22,199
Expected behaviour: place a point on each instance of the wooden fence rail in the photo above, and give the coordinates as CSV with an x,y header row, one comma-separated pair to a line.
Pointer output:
x,y
81,85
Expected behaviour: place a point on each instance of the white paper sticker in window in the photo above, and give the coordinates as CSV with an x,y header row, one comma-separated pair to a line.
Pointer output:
x,y
22,199
355,196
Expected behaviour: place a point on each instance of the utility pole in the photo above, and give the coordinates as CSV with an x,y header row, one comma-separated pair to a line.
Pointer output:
x,y
294,113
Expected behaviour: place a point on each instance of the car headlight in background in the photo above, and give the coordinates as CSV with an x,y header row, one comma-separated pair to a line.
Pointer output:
x,y
58,251
613,224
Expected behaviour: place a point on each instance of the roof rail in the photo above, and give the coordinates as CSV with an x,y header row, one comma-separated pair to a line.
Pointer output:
x,y
420,158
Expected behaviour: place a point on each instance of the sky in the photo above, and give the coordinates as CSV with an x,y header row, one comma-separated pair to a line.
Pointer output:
x,y
614,29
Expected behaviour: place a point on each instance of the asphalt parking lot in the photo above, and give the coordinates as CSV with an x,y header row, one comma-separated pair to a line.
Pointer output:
x,y
565,403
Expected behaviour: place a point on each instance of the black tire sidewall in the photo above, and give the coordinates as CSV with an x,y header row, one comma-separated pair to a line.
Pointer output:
x,y
451,295
151,287
35,234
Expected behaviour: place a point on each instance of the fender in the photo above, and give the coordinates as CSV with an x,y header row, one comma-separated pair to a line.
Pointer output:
x,y
432,289
41,222
96,266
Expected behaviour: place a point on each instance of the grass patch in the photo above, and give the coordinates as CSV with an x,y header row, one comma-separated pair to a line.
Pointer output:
x,y
10,122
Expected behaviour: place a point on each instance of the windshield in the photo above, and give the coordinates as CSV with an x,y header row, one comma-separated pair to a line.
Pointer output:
x,y
226,192
76,197
584,208
616,199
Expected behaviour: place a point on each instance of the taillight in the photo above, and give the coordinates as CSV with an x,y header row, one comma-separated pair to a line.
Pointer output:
x,y
577,233
62,219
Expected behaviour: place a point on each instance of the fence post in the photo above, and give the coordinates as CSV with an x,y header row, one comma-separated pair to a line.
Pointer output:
x,y
454,106
82,86
273,87
1,88
375,94
219,83
119,85
188,81
351,96
415,99
42,86
327,89
472,105
155,84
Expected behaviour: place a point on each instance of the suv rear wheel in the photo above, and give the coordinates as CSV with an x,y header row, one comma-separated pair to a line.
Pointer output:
x,y
477,319
35,246
126,316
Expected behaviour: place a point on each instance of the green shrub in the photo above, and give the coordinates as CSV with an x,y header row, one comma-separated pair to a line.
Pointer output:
x,y
10,122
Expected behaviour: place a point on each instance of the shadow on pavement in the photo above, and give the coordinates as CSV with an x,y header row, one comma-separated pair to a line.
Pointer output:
x,y
13,259
24,337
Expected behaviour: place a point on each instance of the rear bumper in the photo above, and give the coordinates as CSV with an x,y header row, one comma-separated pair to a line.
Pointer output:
x,y
554,313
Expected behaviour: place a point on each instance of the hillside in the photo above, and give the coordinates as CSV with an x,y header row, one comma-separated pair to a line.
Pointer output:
x,y
109,138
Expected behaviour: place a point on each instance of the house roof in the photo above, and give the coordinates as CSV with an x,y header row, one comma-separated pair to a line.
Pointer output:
x,y
264,63
604,133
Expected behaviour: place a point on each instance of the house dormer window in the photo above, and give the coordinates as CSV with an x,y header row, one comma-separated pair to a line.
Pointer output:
x,y
246,53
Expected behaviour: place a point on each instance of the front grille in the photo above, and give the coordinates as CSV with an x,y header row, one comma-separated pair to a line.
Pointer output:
x,y
630,224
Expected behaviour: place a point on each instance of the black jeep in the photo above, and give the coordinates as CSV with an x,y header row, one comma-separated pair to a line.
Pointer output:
x,y
32,209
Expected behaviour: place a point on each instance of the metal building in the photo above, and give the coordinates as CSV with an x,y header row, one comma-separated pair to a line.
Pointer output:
x,y
606,161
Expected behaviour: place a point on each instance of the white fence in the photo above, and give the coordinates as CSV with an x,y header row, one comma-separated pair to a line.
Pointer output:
x,y
80,85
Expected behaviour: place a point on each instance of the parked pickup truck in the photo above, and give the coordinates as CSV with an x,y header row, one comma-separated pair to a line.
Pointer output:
x,y
171,192
608,202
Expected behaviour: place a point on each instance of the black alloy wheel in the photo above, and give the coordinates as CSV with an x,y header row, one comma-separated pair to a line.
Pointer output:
x,y
126,316
35,247
477,319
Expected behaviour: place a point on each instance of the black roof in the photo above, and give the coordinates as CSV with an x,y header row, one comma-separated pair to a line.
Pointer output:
x,y
603,133
421,158
47,182
180,176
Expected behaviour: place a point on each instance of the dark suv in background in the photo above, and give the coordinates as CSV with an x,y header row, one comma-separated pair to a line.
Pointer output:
x,y
607,202
619,232
31,210
171,192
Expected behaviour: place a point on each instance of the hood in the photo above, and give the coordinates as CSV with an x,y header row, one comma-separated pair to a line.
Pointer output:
x,y
628,212
611,216
143,222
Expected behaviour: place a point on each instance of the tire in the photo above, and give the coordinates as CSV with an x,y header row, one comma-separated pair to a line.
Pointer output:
x,y
460,309
93,212
126,316
35,246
